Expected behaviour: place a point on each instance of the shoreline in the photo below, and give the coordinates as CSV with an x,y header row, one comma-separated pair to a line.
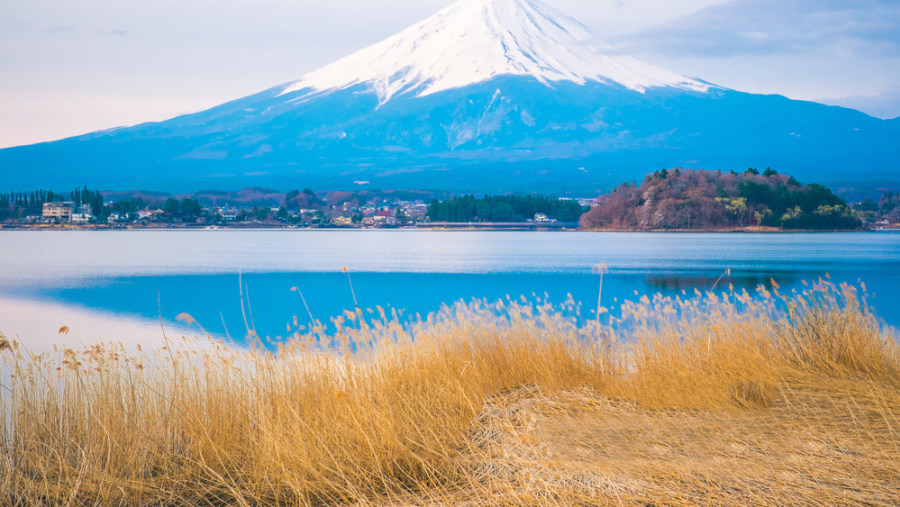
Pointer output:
x,y
430,226
520,227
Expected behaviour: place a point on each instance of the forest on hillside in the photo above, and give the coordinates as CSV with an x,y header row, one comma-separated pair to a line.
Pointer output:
x,y
701,199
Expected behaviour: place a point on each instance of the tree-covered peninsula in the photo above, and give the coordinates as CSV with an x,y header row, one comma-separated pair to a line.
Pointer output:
x,y
701,199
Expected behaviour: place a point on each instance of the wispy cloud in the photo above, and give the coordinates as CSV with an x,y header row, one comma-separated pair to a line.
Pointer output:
x,y
883,105
842,52
764,27
69,29
60,29
116,32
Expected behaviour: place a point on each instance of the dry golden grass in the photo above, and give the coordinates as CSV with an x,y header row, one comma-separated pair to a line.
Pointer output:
x,y
828,444
730,398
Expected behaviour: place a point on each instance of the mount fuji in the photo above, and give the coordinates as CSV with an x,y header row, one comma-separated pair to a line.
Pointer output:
x,y
486,95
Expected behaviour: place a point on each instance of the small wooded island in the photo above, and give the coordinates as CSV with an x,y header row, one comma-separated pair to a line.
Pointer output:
x,y
685,199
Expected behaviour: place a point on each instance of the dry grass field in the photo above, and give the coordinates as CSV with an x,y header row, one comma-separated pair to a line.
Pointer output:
x,y
728,398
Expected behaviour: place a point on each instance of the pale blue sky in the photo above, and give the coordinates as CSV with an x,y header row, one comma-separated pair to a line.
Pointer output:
x,y
68,68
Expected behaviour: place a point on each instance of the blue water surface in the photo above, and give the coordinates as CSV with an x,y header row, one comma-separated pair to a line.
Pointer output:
x,y
161,274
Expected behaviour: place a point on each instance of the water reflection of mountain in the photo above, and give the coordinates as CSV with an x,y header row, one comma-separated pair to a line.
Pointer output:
x,y
706,281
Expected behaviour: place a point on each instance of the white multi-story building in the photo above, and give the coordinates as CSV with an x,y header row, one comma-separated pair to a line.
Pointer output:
x,y
60,211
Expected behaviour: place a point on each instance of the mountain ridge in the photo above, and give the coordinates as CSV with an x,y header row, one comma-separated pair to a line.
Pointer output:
x,y
505,132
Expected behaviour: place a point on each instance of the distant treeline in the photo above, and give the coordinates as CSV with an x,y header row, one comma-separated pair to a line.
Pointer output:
x,y
23,204
698,199
503,209
17,205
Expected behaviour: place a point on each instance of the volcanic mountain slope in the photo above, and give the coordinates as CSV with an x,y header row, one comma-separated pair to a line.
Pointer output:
x,y
486,95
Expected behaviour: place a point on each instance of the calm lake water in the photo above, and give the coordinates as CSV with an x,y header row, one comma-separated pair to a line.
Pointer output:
x,y
145,275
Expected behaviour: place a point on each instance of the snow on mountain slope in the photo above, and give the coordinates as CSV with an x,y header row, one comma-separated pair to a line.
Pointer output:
x,y
473,41
485,96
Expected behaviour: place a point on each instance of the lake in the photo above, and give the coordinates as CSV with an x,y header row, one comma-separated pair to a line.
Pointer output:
x,y
107,281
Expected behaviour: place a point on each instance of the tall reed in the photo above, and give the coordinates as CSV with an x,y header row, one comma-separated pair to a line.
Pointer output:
x,y
371,410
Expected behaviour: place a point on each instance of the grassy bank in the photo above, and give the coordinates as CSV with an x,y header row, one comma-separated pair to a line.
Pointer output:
x,y
729,398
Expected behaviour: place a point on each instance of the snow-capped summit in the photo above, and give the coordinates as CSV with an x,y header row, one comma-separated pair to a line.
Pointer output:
x,y
485,96
473,41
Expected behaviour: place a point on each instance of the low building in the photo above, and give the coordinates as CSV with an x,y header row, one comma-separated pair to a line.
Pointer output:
x,y
381,219
148,214
83,214
417,212
229,214
81,218
61,211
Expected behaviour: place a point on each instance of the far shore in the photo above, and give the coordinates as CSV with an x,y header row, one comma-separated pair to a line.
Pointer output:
x,y
431,226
